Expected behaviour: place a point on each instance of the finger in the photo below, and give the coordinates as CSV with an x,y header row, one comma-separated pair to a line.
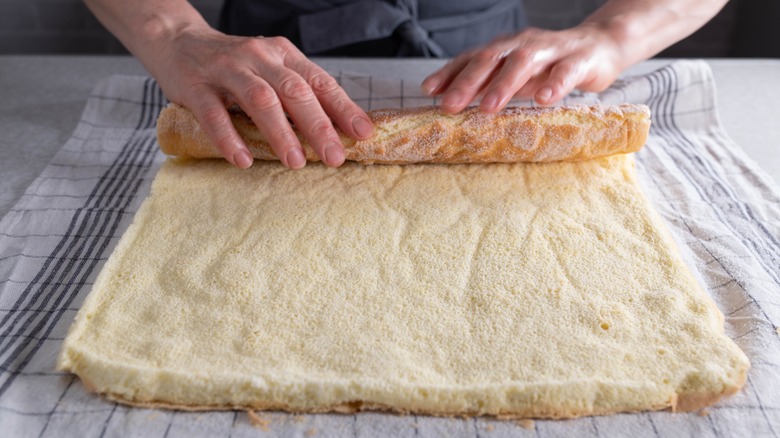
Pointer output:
x,y
306,112
434,85
437,82
259,100
470,80
481,93
563,77
517,69
210,112
528,90
333,99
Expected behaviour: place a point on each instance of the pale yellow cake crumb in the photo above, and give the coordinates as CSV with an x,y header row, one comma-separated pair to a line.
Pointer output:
x,y
257,420
526,424
526,290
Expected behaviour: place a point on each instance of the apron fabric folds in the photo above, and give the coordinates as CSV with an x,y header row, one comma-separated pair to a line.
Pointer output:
x,y
376,28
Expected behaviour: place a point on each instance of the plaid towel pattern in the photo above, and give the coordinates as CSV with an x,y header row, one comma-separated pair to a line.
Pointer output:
x,y
722,209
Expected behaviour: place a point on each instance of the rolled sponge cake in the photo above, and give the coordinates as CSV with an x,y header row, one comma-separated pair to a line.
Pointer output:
x,y
427,135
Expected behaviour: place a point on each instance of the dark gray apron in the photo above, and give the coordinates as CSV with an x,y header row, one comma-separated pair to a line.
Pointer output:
x,y
376,28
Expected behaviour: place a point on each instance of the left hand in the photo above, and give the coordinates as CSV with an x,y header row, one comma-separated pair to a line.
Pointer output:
x,y
535,63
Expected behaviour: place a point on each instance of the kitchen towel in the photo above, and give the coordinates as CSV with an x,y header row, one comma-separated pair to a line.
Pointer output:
x,y
722,209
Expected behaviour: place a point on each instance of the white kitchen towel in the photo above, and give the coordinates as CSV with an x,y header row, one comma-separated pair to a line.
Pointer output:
x,y
722,209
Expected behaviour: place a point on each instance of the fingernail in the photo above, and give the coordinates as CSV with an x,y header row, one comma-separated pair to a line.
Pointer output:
x,y
490,102
429,85
362,127
334,155
544,94
242,159
451,100
295,159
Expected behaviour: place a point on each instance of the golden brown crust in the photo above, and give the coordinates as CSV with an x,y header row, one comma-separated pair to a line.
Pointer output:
x,y
694,401
677,403
419,135
358,406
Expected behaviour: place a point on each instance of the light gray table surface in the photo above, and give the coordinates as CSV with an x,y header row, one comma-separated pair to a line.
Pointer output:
x,y
42,97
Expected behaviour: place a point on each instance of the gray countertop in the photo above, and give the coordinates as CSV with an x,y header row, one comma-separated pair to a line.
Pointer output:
x,y
43,97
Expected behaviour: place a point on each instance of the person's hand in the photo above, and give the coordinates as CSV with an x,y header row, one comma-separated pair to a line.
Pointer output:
x,y
269,78
539,64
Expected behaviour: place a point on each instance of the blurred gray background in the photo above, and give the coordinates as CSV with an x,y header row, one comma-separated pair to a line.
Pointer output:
x,y
745,28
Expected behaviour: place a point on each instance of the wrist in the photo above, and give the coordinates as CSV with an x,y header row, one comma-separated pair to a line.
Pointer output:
x,y
160,39
155,30
620,33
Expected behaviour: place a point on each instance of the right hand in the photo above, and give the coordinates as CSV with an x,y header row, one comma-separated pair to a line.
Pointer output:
x,y
540,64
208,71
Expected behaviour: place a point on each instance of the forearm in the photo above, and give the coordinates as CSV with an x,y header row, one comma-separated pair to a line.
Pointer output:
x,y
144,26
642,28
